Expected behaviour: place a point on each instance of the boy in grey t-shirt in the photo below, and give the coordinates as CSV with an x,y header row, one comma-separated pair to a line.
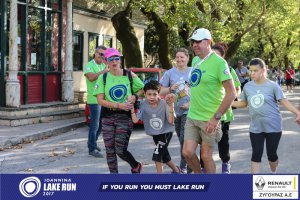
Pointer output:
x,y
158,118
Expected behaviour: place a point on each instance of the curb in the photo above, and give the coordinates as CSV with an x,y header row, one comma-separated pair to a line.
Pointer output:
x,y
40,134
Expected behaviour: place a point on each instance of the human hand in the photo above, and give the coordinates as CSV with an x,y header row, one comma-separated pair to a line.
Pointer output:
x,y
174,87
132,99
212,126
298,118
185,106
126,106
170,98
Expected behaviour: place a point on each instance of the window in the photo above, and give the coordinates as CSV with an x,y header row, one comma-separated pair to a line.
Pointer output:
x,y
107,41
77,50
93,43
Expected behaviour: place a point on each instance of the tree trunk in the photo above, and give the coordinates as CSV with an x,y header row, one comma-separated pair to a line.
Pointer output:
x,y
163,33
126,35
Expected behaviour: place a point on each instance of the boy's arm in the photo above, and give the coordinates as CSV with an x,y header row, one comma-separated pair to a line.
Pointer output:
x,y
171,113
170,99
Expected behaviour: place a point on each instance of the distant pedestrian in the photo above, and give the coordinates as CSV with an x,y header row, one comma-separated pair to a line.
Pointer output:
x,y
158,118
175,81
117,91
208,102
262,95
92,71
242,73
289,79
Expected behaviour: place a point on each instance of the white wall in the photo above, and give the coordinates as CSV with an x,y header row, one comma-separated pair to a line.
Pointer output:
x,y
94,24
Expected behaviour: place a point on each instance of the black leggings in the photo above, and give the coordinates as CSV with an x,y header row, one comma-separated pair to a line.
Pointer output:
x,y
257,143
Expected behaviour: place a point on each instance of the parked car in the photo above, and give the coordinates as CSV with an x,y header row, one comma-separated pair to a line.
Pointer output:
x,y
145,74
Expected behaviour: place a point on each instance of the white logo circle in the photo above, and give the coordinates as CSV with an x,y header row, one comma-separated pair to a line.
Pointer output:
x,y
257,100
29,187
156,123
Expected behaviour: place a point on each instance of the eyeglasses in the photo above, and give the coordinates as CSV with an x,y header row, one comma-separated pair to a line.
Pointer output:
x,y
113,59
101,54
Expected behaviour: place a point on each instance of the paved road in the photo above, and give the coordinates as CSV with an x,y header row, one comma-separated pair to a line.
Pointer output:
x,y
67,153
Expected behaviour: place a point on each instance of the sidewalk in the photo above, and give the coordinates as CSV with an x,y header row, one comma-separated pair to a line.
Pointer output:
x,y
10,136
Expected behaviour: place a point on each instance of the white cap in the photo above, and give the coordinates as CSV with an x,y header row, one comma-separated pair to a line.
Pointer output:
x,y
200,34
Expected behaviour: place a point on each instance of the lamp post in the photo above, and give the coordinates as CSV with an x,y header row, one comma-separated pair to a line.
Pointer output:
x,y
295,59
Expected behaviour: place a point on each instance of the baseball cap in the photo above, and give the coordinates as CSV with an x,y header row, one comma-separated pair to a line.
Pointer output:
x,y
200,34
109,52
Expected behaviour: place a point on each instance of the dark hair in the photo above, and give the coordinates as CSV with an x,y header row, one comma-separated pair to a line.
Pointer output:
x,y
258,61
221,47
183,50
100,47
152,85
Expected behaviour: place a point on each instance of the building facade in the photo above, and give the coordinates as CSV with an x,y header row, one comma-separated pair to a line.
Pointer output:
x,y
44,46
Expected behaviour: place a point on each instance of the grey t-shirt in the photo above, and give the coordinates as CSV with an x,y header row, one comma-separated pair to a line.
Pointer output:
x,y
155,119
173,76
263,106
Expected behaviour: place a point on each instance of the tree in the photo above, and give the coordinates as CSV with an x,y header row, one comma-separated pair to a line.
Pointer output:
x,y
126,34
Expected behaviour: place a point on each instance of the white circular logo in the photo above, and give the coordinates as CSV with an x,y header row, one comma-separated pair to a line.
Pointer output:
x,y
29,187
257,100
156,123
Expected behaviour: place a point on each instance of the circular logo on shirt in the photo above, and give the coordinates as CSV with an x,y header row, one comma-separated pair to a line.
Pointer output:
x,y
118,93
195,77
156,123
257,100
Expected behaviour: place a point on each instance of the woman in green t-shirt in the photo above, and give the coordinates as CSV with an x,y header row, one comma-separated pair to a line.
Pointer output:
x,y
117,91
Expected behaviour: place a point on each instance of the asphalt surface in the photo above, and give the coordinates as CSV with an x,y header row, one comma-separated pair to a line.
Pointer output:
x,y
68,153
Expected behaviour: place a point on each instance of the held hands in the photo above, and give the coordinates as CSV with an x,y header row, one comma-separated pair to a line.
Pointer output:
x,y
132,99
170,98
126,106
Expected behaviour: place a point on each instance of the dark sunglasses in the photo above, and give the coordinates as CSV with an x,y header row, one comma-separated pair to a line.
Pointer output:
x,y
101,54
113,59
197,41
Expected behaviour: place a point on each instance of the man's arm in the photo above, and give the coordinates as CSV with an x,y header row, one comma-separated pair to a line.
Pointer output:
x,y
94,76
230,95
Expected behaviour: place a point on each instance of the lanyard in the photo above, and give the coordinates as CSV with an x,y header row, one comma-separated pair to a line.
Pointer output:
x,y
97,65
197,65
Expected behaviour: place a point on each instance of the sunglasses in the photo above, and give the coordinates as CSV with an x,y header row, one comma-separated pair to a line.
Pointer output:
x,y
101,54
113,59
197,41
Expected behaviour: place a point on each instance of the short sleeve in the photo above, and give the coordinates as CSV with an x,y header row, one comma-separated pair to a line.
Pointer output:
x,y
165,80
88,68
279,95
224,72
137,84
235,78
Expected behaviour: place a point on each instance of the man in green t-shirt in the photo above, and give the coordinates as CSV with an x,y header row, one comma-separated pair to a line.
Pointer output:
x,y
92,70
209,101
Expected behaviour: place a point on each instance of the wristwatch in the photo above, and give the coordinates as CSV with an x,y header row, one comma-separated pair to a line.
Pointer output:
x,y
217,116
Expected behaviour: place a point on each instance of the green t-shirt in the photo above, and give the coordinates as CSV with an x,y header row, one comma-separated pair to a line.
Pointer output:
x,y
92,67
228,116
117,88
206,90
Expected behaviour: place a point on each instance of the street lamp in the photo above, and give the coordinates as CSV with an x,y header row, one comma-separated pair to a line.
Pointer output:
x,y
295,59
